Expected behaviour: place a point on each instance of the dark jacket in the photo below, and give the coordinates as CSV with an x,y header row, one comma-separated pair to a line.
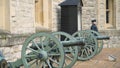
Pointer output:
x,y
94,27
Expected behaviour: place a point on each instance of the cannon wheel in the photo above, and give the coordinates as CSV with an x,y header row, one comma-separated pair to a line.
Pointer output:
x,y
71,52
3,64
90,48
42,56
100,42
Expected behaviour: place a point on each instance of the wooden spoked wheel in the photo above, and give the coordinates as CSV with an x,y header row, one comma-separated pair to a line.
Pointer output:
x,y
42,50
90,48
100,42
3,63
71,52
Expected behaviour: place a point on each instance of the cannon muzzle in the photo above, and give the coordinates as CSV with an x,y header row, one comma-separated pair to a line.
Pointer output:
x,y
102,37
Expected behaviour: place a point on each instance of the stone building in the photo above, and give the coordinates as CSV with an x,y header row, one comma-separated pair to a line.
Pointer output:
x,y
20,18
25,17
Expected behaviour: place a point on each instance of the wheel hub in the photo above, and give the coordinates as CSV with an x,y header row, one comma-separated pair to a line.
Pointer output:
x,y
43,55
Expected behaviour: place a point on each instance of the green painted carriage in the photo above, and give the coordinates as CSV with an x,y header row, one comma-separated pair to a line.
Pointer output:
x,y
57,49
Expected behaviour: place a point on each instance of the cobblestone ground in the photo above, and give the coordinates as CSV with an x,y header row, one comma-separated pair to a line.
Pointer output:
x,y
101,60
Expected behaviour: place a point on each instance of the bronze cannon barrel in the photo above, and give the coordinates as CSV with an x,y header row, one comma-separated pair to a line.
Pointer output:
x,y
73,43
64,43
102,37
77,42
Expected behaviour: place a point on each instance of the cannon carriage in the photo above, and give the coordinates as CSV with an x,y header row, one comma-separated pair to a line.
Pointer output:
x,y
57,49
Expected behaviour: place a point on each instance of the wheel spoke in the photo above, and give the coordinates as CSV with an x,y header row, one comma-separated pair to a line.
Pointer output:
x,y
36,45
29,56
46,41
65,63
40,64
51,48
41,41
91,48
54,61
48,62
53,54
79,34
43,46
32,62
37,64
82,52
32,50
69,57
86,52
44,65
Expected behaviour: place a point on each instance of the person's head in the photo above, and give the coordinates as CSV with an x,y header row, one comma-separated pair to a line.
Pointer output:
x,y
93,21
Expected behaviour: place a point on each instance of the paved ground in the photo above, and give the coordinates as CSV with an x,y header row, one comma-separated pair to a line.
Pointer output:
x,y
101,60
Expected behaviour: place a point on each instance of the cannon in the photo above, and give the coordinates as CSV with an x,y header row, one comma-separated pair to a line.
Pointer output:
x,y
57,49
93,46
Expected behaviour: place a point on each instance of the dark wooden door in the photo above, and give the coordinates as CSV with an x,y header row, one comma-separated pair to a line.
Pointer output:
x,y
69,19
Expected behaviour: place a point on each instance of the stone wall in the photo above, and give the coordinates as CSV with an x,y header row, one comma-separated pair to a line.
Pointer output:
x,y
11,40
89,12
114,38
12,53
101,14
22,17
22,20
56,14
117,2
11,46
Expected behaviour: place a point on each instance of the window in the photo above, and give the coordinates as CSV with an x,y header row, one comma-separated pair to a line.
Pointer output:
x,y
107,11
110,14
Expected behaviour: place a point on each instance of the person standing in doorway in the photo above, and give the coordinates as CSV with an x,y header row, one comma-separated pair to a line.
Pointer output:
x,y
94,26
